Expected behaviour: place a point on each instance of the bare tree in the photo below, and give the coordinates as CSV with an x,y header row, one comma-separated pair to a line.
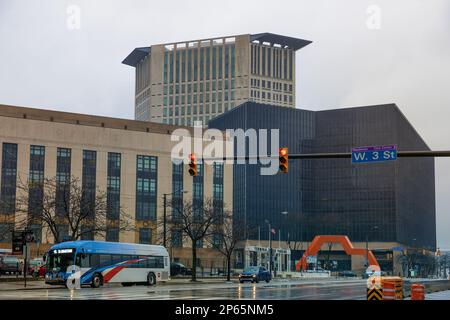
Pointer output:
x,y
6,226
191,221
57,205
225,236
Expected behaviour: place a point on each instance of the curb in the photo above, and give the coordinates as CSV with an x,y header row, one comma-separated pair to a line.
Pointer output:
x,y
18,279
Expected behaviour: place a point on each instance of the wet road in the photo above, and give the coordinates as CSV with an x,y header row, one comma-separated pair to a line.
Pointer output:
x,y
292,290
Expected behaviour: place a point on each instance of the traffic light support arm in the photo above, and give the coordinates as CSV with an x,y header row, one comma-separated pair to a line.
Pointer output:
x,y
341,155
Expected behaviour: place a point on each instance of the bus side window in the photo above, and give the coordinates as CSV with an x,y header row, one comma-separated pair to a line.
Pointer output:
x,y
151,262
85,261
160,262
105,259
144,262
95,260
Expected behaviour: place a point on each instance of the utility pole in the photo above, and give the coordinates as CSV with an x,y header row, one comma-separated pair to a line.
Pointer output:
x,y
270,246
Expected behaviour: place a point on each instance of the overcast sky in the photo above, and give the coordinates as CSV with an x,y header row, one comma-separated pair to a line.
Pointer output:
x,y
363,52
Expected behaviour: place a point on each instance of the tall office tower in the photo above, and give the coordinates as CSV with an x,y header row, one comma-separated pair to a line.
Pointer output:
x,y
182,82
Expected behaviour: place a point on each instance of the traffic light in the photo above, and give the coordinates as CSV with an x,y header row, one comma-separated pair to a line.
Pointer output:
x,y
284,160
192,165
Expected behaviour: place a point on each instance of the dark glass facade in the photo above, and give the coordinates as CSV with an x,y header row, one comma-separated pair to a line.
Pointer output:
x,y
333,196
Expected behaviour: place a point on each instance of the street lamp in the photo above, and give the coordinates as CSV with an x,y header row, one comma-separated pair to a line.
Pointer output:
x,y
270,246
285,213
165,214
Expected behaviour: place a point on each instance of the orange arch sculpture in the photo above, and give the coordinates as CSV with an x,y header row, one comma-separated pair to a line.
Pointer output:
x,y
318,241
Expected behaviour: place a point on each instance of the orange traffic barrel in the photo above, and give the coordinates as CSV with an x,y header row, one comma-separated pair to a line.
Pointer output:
x,y
392,288
417,292
389,290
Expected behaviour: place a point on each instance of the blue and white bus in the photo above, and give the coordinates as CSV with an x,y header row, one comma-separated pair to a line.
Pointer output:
x,y
101,262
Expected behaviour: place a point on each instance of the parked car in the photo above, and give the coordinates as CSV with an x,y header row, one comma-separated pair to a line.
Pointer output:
x,y
255,274
177,268
347,274
373,273
10,265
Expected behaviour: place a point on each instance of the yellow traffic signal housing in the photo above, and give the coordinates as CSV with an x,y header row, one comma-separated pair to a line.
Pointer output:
x,y
283,153
192,165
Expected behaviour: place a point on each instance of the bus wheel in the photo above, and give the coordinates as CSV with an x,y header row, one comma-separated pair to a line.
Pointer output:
x,y
97,281
151,279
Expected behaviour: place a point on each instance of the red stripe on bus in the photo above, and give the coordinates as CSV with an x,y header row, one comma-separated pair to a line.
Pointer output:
x,y
107,277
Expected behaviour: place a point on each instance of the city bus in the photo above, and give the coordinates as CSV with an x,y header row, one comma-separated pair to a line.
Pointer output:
x,y
101,262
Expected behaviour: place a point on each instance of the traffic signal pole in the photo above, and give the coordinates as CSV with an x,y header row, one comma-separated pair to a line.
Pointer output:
x,y
341,155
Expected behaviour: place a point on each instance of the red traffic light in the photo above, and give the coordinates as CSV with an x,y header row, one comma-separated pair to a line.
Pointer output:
x,y
283,158
192,165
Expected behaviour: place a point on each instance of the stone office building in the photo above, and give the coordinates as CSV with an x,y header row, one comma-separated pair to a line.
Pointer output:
x,y
131,159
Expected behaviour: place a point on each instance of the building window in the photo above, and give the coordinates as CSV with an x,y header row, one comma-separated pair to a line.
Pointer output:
x,y
63,232
177,188
165,66
220,63
197,196
36,180
87,233
88,184
5,232
217,241
113,186
37,232
112,234
145,236
177,239
63,169
171,68
218,191
146,186
9,175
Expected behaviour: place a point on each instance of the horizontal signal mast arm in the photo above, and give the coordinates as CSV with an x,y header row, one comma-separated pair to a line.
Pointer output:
x,y
336,155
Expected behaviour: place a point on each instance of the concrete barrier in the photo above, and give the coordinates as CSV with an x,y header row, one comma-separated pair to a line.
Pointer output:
x,y
308,275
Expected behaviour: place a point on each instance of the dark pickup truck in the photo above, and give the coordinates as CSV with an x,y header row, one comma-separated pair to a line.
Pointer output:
x,y
10,264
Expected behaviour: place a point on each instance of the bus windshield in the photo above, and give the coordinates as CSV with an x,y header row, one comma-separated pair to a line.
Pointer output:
x,y
59,261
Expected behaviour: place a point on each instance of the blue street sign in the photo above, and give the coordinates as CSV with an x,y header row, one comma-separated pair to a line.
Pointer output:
x,y
374,154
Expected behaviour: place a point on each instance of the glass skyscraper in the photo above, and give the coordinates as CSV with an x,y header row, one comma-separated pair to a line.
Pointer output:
x,y
381,202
